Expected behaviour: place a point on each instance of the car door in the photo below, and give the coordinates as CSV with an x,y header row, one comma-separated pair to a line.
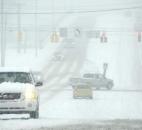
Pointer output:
x,y
98,80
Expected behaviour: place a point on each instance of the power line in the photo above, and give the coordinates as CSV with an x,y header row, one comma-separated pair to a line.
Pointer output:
x,y
50,29
80,11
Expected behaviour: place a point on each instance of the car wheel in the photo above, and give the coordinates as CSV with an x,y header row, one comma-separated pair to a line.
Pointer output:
x,y
34,114
91,97
109,86
97,88
74,97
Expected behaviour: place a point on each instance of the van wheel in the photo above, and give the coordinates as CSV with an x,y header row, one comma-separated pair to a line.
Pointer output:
x,y
35,114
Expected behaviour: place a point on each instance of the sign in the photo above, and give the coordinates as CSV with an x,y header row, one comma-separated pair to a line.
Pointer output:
x,y
105,66
93,34
77,32
63,32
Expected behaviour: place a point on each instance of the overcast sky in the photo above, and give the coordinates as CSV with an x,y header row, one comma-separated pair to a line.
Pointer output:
x,y
50,5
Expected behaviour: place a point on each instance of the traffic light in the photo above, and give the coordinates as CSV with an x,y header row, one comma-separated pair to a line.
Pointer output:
x,y
19,35
103,38
54,37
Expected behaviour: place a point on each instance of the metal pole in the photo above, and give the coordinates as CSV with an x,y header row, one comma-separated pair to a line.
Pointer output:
x,y
2,36
53,17
25,41
5,40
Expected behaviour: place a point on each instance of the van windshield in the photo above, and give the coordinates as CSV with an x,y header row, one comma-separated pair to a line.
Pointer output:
x,y
21,77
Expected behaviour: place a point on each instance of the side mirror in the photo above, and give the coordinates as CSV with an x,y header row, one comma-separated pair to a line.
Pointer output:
x,y
39,83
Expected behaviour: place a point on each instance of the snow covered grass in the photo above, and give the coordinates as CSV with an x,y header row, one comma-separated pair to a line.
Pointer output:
x,y
105,105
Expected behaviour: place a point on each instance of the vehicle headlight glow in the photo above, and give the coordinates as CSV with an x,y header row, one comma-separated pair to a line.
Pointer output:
x,y
30,94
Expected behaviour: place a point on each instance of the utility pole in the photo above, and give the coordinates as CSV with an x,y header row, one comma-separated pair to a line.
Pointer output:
x,y
36,31
19,33
2,35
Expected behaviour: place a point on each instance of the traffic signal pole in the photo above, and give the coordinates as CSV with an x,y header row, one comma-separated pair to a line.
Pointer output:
x,y
139,37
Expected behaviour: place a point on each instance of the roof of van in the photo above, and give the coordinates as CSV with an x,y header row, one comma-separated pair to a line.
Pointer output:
x,y
14,69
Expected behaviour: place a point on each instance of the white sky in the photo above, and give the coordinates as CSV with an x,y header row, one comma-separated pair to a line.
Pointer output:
x,y
49,5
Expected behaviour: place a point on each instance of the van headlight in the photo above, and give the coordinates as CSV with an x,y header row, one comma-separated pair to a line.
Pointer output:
x,y
30,94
